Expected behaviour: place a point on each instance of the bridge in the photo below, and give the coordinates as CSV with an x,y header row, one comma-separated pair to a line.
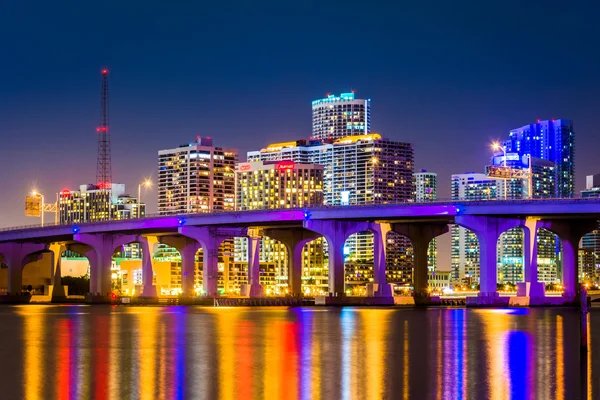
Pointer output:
x,y
569,219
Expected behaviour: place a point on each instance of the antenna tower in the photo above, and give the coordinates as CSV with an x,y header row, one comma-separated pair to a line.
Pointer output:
x,y
103,170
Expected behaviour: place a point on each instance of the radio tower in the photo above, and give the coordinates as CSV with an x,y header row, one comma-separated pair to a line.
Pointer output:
x,y
103,171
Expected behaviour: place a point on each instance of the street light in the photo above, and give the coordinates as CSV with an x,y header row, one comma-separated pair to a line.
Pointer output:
x,y
52,207
374,161
147,183
496,146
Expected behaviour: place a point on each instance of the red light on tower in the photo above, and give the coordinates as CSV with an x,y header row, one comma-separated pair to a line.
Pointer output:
x,y
104,71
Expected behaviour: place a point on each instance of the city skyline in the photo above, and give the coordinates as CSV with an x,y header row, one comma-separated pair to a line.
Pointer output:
x,y
449,82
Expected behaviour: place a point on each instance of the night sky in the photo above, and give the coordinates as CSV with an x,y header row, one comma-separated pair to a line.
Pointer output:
x,y
447,76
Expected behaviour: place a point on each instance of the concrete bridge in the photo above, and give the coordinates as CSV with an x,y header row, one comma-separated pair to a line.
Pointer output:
x,y
570,219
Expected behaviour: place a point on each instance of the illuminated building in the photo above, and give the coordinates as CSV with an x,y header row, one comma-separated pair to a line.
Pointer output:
x,y
438,280
550,140
335,117
86,204
272,185
425,186
465,246
425,190
360,169
196,178
278,184
587,269
591,241
542,185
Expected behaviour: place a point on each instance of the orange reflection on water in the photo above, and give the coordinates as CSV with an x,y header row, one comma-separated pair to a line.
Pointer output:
x,y
560,360
63,359
33,337
147,352
227,325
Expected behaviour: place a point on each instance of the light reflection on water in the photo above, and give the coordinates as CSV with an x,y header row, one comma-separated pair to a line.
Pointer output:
x,y
62,352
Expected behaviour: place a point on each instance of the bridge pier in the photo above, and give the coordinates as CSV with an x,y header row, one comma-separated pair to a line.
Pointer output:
x,y
294,240
210,238
187,248
148,245
16,256
570,233
99,250
255,288
420,235
488,231
531,289
336,233
380,231
58,290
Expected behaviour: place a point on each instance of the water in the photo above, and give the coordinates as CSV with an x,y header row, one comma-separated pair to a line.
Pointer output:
x,y
85,352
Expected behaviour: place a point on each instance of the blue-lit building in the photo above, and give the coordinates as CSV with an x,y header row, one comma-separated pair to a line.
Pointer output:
x,y
550,140
550,145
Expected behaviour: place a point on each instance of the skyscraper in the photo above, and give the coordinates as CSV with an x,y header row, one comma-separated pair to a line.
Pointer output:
x,y
425,184
551,140
465,246
550,147
197,177
335,117
272,185
360,169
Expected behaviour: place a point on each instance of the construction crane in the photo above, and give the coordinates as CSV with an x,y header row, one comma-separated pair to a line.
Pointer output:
x,y
103,170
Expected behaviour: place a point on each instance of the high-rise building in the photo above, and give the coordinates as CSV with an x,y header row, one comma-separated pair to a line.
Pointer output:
x,y
335,117
551,140
361,169
425,184
88,204
591,241
272,185
536,181
465,246
278,184
197,177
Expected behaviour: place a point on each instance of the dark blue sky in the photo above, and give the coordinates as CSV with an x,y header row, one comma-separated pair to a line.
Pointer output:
x,y
446,76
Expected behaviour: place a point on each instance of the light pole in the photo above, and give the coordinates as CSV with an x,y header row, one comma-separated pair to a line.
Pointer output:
x,y
147,183
373,161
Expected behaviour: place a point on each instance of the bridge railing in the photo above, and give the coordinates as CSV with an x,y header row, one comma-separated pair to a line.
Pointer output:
x,y
441,202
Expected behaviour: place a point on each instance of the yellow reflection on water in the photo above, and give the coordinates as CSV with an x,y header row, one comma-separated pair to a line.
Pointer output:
x,y
227,321
496,324
374,328
147,322
33,336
